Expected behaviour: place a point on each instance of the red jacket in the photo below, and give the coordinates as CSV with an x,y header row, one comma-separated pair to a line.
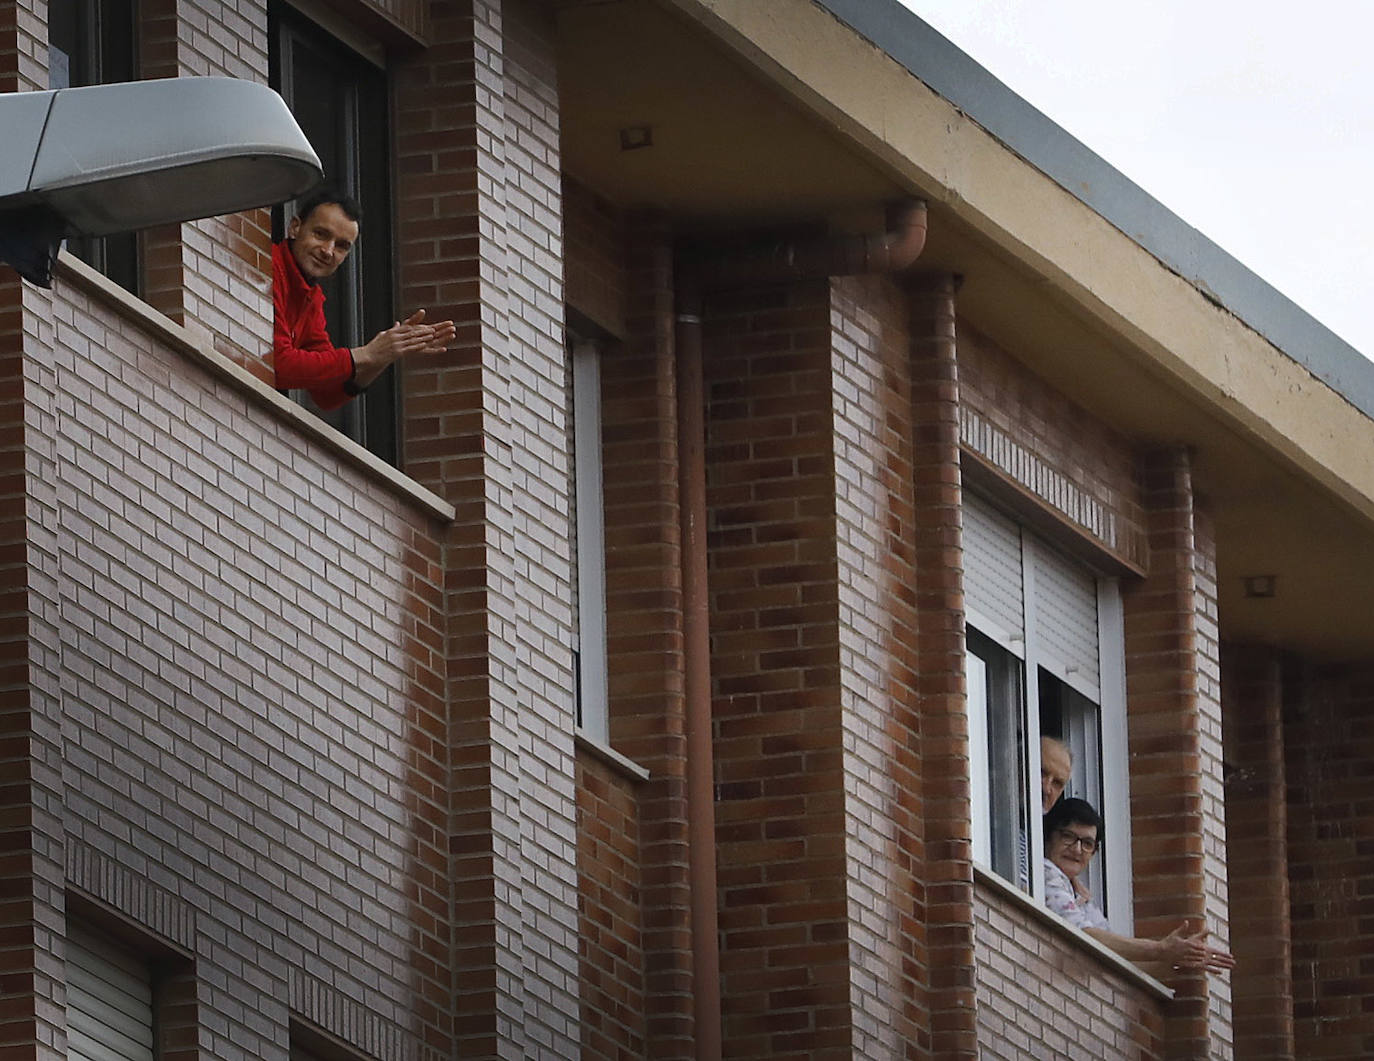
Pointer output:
x,y
302,353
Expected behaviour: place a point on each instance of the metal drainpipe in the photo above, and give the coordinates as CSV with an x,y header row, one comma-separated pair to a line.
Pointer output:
x,y
891,252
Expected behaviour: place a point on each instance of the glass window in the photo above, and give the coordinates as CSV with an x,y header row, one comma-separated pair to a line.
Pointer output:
x,y
340,100
1045,658
997,759
93,42
589,514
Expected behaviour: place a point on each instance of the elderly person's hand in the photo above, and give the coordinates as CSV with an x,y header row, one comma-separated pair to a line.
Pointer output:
x,y
1184,951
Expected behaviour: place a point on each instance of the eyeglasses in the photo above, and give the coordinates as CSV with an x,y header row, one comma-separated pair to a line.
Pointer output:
x,y
1084,843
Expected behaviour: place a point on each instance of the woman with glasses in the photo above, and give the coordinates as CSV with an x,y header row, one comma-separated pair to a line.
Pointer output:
x,y
1073,834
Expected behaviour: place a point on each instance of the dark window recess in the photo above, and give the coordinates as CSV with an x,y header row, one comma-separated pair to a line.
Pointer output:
x,y
93,42
340,100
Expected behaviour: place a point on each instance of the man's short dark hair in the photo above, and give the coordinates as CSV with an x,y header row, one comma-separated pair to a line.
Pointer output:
x,y
325,194
1072,812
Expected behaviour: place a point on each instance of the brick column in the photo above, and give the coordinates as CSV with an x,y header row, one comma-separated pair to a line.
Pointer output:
x,y
486,427
944,853
875,521
780,823
32,914
1165,722
1257,843
644,622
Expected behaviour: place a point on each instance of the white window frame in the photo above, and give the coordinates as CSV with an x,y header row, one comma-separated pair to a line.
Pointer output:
x,y
589,639
1112,872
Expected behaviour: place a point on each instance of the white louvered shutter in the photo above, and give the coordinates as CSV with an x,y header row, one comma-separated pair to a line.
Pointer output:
x,y
109,1002
993,591
1064,604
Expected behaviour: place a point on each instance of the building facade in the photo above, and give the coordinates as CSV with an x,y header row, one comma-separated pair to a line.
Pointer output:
x,y
658,673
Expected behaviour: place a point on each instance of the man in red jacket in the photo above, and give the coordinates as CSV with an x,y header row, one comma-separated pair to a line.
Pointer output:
x,y
318,239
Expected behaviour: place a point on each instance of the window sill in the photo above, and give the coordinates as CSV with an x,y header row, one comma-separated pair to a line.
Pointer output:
x,y
612,758
1077,937
198,348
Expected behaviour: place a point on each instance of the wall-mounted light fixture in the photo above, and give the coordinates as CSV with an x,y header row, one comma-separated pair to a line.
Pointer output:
x,y
1261,586
103,159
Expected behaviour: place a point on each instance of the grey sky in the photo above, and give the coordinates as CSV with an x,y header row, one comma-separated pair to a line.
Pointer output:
x,y
1248,120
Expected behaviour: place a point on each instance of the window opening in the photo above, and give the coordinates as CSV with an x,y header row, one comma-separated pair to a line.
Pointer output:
x,y
341,101
94,42
590,554
1045,658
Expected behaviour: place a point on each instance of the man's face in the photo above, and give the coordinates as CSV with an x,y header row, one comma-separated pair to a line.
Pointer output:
x,y
1054,773
321,240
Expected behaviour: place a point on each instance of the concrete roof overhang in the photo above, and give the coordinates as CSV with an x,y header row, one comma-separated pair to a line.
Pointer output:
x,y
773,112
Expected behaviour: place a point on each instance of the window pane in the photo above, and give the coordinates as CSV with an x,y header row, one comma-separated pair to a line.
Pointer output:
x,y
1002,751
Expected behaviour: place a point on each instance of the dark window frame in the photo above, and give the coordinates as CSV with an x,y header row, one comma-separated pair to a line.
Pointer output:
x,y
342,101
95,42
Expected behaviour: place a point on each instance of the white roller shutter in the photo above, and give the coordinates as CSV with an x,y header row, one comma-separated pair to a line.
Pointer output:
x,y
1064,600
992,575
109,1001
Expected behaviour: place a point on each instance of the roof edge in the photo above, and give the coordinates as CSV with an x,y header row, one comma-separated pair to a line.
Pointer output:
x,y
933,59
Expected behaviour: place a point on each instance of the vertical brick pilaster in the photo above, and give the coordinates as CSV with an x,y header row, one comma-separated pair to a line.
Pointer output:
x,y
1257,848
644,622
876,534
479,237
1164,722
450,164
33,1023
780,820
944,851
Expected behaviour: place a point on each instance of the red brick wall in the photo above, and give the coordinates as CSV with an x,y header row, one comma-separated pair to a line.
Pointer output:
x,y
1040,995
598,286
776,675
1257,853
644,621
884,540
479,235
250,698
945,901
1174,733
30,715
1328,739
610,919
1035,438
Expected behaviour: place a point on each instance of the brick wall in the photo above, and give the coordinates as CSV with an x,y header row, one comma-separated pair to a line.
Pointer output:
x,y
644,621
875,530
250,699
598,286
944,906
1328,736
30,719
479,239
1042,996
1173,724
775,671
1216,893
610,918
1035,438
1257,852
